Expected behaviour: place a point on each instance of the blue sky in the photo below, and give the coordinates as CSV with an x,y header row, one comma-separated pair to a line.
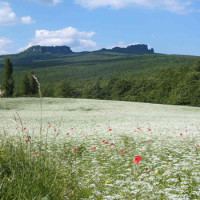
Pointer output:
x,y
169,26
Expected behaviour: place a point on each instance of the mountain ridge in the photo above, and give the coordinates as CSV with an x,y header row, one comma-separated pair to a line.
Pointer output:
x,y
138,49
131,49
48,49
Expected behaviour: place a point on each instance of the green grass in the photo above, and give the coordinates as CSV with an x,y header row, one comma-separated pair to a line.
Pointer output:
x,y
25,175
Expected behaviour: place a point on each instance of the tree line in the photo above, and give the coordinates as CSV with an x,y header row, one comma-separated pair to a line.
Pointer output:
x,y
180,86
28,83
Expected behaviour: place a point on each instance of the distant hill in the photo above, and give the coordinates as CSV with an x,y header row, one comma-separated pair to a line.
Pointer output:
x,y
52,64
139,49
54,52
43,49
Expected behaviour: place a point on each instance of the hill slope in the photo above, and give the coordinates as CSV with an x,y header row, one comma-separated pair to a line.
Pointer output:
x,y
132,49
53,65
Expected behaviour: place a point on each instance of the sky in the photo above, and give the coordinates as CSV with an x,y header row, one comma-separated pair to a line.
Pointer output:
x,y
168,26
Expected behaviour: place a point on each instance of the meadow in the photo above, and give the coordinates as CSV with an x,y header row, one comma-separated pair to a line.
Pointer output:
x,y
95,149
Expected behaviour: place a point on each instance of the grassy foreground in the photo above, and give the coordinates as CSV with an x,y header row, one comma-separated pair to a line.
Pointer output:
x,y
75,157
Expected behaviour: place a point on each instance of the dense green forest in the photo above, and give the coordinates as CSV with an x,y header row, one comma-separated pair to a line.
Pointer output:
x,y
154,78
180,86
91,66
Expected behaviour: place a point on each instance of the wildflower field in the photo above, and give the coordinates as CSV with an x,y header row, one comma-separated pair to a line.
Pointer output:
x,y
91,149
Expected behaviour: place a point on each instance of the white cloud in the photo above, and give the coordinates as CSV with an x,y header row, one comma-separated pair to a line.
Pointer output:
x,y
72,37
48,2
177,6
27,20
5,45
8,16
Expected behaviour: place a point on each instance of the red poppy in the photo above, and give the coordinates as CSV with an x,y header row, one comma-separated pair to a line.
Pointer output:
x,y
49,126
181,134
110,129
111,144
94,148
103,141
27,140
75,149
67,134
123,151
106,142
24,128
149,129
137,159
36,153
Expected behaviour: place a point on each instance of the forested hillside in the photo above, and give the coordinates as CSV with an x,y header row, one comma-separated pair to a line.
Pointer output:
x,y
92,66
156,78
179,86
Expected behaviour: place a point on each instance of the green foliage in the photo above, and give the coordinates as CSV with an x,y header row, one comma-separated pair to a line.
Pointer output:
x,y
8,83
197,66
48,90
29,85
33,84
180,86
187,91
25,85
91,66
64,89
93,90
120,88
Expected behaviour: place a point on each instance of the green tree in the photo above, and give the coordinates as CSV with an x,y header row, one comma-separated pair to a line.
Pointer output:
x,y
29,85
25,85
64,89
48,90
120,88
197,66
93,91
8,83
33,84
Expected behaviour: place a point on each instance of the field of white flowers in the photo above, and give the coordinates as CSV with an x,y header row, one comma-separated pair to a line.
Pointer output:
x,y
101,140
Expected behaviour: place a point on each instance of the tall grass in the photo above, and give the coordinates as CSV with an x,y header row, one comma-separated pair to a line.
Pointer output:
x,y
43,168
40,168
30,169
